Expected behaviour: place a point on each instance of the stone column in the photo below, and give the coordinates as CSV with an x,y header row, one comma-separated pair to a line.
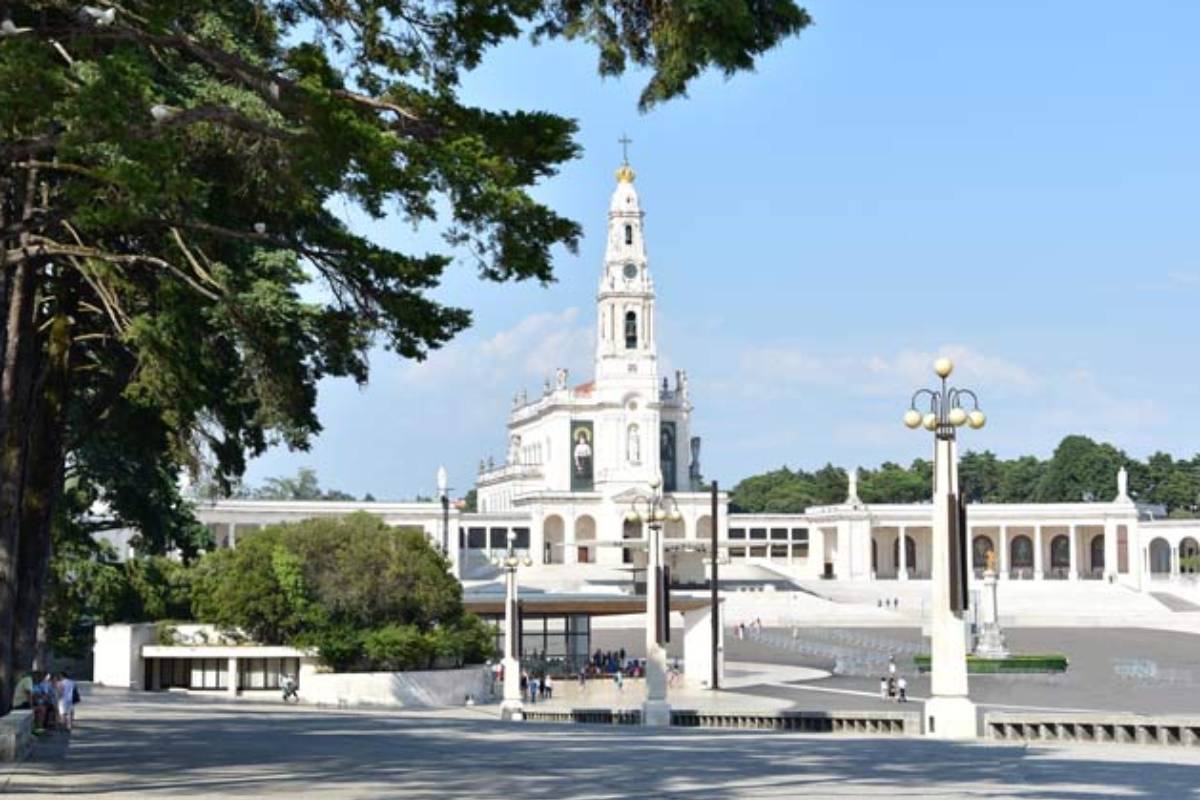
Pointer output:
x,y
1174,561
1073,550
233,676
232,535
656,710
570,550
816,550
902,569
1003,554
1111,558
511,706
949,713
1037,553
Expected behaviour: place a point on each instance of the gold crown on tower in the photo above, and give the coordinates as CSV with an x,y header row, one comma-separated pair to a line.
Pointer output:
x,y
626,174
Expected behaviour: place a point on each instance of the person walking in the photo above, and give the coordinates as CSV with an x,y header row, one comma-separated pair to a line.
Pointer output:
x,y
903,684
533,689
547,687
619,680
892,666
883,686
66,700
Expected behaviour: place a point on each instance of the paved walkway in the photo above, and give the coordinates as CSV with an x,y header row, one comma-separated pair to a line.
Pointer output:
x,y
163,746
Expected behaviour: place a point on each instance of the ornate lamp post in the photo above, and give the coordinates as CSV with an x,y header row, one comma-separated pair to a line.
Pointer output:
x,y
949,712
510,706
655,509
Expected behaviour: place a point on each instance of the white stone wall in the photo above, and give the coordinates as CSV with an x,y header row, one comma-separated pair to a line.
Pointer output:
x,y
117,654
448,687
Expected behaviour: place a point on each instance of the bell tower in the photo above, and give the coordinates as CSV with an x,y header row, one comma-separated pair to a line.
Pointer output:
x,y
625,346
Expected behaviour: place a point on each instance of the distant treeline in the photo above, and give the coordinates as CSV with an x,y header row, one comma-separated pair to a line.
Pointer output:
x,y
1080,470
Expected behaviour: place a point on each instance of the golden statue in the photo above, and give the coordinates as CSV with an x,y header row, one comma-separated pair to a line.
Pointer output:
x,y
991,560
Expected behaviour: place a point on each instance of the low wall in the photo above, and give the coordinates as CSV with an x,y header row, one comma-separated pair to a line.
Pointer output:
x,y
866,723
1092,727
16,735
447,687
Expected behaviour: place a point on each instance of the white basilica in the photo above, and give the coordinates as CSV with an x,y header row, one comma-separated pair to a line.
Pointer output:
x,y
580,452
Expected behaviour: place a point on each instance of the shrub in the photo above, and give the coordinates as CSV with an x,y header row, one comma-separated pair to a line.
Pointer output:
x,y
398,647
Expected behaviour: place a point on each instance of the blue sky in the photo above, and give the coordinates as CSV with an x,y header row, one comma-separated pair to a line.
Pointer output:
x,y
1016,184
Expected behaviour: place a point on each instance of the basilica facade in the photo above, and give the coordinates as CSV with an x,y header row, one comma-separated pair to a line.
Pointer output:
x,y
581,453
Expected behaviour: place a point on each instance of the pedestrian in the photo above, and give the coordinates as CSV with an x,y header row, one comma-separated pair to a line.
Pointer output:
x,y
903,684
895,602
891,688
533,689
892,666
547,687
23,694
582,679
619,680
883,687
44,703
66,701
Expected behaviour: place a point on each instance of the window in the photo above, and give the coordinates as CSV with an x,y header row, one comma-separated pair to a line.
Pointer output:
x,y
476,538
799,534
779,551
498,538
758,533
737,533
737,552
779,534
628,234
758,552
522,540
631,334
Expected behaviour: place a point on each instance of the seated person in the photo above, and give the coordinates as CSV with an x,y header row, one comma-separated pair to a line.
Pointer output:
x,y
23,694
45,703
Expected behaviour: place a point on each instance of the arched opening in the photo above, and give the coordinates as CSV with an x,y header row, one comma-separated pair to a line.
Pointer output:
x,y
1020,553
704,528
1060,554
1160,557
674,529
553,537
1096,554
910,554
631,333
628,234
980,547
1189,556
630,530
585,535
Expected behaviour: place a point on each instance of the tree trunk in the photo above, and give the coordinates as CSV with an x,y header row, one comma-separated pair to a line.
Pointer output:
x,y
15,385
43,484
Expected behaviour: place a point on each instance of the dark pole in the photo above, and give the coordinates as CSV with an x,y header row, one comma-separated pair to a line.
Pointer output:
x,y
716,619
446,523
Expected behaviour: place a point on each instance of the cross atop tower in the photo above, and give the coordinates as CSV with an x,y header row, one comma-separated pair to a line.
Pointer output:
x,y
625,142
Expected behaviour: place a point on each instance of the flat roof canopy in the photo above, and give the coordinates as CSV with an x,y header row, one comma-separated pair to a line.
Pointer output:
x,y
597,605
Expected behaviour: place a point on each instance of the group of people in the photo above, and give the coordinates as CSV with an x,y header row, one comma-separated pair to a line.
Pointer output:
x,y
52,700
739,630
893,686
537,686
612,662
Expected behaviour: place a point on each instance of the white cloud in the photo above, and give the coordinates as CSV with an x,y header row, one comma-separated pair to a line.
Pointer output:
x,y
785,370
521,355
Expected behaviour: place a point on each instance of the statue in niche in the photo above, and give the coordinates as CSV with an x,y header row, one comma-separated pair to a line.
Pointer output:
x,y
514,450
634,445
560,378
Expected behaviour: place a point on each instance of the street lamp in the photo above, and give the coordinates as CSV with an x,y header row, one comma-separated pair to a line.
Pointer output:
x,y
655,509
510,706
949,713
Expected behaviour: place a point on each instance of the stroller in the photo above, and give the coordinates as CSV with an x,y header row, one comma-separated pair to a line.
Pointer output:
x,y
290,690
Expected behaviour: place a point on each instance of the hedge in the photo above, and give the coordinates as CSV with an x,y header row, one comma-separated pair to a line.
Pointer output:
x,y
1012,664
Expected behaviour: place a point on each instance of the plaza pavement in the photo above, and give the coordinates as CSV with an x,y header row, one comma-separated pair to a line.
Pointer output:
x,y
175,746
